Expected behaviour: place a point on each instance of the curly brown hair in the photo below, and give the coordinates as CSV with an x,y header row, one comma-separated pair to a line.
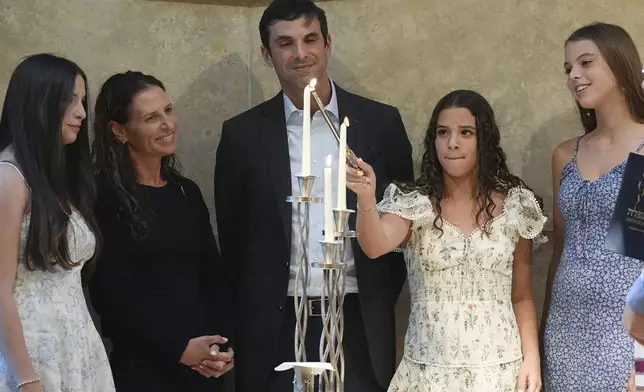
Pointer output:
x,y
493,172
112,159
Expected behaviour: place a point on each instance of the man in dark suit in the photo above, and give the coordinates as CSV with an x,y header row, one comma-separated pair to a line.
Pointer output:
x,y
259,152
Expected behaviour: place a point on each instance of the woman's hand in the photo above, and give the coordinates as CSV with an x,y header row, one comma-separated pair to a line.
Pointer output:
x,y
362,182
223,364
529,379
198,349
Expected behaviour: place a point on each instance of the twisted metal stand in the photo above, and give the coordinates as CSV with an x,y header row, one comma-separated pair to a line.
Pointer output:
x,y
334,269
304,380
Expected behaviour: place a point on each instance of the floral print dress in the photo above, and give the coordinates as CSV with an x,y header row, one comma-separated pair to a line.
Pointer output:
x,y
63,344
462,333
585,346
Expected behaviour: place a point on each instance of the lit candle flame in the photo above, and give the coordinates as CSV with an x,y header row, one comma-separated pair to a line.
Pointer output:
x,y
329,160
313,83
346,122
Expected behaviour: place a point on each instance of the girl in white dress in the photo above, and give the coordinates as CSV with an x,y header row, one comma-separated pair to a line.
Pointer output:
x,y
466,228
48,341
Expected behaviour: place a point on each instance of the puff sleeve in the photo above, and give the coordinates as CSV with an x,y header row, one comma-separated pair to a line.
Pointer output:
x,y
525,214
413,206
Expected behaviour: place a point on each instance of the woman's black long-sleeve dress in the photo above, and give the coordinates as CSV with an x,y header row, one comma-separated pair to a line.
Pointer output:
x,y
155,294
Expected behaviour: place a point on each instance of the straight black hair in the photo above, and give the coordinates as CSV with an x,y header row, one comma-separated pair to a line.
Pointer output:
x,y
60,177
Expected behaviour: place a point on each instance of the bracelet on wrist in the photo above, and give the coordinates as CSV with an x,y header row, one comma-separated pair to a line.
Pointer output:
x,y
27,382
368,210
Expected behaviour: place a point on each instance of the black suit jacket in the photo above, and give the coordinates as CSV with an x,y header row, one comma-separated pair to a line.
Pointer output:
x,y
252,181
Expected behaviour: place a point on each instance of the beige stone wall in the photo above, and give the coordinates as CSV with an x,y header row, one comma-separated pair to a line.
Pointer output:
x,y
408,53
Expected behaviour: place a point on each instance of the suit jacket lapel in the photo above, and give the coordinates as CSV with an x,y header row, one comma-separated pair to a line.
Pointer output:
x,y
275,143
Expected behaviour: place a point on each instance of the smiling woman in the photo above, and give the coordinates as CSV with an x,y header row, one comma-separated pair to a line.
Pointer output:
x,y
587,284
155,279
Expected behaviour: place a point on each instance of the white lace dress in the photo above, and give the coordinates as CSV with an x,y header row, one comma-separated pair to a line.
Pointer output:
x,y
63,343
462,333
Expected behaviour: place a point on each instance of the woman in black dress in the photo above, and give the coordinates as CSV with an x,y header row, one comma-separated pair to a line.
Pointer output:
x,y
155,284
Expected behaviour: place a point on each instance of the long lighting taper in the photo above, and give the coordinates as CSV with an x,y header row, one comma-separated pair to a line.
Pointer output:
x,y
352,159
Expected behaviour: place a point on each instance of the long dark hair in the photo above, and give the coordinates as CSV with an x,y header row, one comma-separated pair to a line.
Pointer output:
x,y
493,172
60,177
113,162
620,53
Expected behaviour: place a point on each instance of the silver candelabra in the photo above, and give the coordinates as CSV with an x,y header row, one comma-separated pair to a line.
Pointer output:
x,y
331,365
